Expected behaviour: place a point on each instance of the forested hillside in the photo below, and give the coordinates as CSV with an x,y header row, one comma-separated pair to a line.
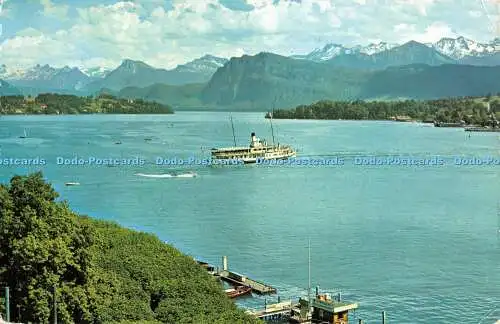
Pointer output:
x,y
101,272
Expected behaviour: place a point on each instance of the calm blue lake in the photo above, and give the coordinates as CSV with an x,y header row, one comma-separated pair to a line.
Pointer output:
x,y
420,242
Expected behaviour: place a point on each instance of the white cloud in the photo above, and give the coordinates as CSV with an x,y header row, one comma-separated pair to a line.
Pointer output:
x,y
435,32
420,5
475,13
29,32
148,31
431,33
5,11
52,10
404,28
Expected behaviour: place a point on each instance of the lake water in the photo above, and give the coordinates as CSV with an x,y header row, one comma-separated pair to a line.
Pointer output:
x,y
420,242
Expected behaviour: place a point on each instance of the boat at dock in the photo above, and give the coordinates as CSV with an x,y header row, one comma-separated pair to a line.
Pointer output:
x,y
238,291
442,124
482,129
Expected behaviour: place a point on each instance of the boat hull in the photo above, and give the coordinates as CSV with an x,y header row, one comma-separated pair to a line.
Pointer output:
x,y
238,292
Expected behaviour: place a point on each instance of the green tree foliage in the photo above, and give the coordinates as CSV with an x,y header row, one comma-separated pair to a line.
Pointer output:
x,y
43,244
470,110
103,273
49,103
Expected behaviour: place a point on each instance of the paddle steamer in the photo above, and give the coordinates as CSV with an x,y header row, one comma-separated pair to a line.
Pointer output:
x,y
257,151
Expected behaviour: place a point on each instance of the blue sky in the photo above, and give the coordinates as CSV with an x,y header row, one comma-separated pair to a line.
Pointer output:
x,y
165,33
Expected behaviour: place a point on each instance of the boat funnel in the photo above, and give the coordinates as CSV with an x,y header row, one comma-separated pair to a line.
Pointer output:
x,y
253,140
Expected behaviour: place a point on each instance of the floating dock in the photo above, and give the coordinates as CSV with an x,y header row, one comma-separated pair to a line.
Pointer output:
x,y
237,279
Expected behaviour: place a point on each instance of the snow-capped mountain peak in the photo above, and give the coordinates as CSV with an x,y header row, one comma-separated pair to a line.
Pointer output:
x,y
461,47
39,72
204,64
96,72
327,52
374,48
456,48
332,50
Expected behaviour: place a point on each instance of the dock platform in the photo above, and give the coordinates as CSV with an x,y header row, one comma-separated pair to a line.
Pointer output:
x,y
274,311
241,280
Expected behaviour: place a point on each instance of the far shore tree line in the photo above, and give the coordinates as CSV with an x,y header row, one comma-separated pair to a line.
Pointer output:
x,y
469,110
482,111
53,104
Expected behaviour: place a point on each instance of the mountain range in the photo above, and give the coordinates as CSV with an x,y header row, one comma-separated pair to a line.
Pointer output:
x,y
380,70
255,82
458,49
44,78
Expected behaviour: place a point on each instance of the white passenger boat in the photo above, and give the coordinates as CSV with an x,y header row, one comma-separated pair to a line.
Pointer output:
x,y
257,150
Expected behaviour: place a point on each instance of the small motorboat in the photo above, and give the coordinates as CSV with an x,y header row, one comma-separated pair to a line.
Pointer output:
x,y
72,184
238,291
189,174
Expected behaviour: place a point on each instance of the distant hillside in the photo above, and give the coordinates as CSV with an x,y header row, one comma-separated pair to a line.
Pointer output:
x,y
255,82
6,89
183,95
432,82
49,104
139,74
486,60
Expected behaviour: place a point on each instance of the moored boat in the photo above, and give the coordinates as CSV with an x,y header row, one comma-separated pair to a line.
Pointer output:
x,y
482,129
238,291
443,124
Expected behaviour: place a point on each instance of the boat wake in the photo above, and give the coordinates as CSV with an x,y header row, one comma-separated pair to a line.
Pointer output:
x,y
168,175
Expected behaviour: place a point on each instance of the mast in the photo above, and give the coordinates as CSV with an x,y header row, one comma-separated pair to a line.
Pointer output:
x,y
232,127
309,280
271,120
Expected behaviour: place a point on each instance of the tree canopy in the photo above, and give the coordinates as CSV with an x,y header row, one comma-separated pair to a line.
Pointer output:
x,y
50,103
470,110
102,273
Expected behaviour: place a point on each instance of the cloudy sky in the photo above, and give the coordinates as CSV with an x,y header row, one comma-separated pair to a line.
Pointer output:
x,y
165,33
